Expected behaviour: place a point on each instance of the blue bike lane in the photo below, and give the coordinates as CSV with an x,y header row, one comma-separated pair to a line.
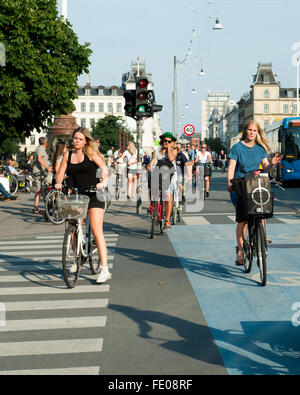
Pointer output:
x,y
257,329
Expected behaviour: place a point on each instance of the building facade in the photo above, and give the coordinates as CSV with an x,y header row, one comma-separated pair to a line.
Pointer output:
x,y
266,101
216,102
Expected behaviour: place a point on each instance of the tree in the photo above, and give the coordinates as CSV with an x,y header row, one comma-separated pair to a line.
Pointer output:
x,y
8,147
107,130
215,144
43,62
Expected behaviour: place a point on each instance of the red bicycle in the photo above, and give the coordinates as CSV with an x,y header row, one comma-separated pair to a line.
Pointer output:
x,y
157,214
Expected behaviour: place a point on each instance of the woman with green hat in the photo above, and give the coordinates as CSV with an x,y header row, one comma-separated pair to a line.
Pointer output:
x,y
166,152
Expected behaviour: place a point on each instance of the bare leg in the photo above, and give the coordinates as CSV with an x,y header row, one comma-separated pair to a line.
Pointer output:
x,y
96,222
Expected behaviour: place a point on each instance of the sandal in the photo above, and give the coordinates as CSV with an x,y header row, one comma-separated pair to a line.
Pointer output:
x,y
240,261
36,211
269,241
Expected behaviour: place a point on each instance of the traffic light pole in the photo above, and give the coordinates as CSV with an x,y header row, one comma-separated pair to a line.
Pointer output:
x,y
139,126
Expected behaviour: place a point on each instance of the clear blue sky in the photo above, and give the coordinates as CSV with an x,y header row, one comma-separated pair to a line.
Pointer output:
x,y
156,31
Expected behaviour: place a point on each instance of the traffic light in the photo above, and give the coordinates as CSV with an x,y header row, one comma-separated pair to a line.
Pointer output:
x,y
129,107
143,98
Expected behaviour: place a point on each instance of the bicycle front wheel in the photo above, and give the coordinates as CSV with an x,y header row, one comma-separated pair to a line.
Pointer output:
x,y
71,258
248,252
261,249
51,207
13,184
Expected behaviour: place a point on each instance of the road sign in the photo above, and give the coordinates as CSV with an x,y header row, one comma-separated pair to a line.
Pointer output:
x,y
189,130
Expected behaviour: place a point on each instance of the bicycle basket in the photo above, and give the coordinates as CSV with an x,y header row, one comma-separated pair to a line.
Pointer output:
x,y
258,198
72,206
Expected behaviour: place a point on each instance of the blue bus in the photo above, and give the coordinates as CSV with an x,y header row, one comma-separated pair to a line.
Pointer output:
x,y
284,138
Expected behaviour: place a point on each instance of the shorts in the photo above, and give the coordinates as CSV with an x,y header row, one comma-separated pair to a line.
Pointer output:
x,y
94,202
240,215
132,172
38,181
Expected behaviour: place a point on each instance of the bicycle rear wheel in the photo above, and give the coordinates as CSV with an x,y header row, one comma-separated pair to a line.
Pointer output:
x,y
261,249
71,258
94,259
51,208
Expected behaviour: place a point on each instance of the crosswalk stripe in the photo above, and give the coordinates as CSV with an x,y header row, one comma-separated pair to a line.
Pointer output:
x,y
42,276
57,237
48,290
10,249
54,323
29,253
84,371
195,221
81,371
289,220
56,304
50,347
54,260
43,241
41,268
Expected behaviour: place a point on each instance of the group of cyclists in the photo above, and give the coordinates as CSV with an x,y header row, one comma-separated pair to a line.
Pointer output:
x,y
79,165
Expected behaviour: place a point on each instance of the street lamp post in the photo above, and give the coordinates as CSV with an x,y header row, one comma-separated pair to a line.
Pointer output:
x,y
297,68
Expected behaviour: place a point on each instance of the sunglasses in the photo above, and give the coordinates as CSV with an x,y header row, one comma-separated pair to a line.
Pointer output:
x,y
167,141
203,147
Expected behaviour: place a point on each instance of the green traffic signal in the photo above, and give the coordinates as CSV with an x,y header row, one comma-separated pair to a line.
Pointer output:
x,y
141,109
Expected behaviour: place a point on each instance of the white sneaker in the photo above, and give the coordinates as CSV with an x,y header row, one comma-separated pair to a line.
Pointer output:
x,y
73,268
103,276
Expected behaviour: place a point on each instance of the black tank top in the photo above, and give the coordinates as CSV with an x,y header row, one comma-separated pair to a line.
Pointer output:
x,y
83,174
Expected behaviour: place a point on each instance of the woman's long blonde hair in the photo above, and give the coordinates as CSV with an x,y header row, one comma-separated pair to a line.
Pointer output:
x,y
261,138
91,148
131,148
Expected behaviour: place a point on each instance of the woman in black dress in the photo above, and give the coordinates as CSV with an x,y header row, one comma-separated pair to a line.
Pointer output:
x,y
80,165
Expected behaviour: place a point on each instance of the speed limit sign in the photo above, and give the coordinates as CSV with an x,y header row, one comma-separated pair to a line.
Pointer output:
x,y
189,130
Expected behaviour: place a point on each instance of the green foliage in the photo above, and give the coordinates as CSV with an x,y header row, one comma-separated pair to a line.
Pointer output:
x,y
215,144
8,146
43,62
107,130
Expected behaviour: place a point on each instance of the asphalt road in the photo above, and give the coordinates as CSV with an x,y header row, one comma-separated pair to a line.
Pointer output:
x,y
176,305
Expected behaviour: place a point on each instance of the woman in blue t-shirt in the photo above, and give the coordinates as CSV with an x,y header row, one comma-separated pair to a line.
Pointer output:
x,y
246,156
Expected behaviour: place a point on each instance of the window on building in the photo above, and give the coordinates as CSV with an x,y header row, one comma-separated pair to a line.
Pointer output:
x,y
266,94
294,109
92,122
92,107
88,91
32,140
289,93
110,107
101,107
285,108
101,92
114,92
266,124
83,122
266,108
83,107
119,107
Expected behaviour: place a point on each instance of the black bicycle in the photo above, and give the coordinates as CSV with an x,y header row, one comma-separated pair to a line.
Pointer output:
x,y
259,205
255,245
